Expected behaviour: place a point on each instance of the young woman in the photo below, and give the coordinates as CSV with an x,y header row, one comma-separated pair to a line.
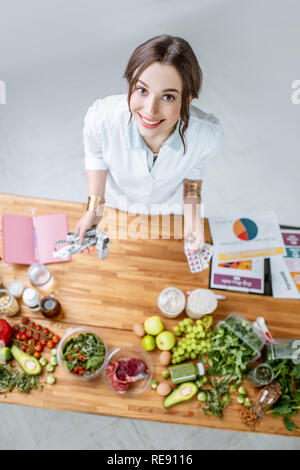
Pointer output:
x,y
146,152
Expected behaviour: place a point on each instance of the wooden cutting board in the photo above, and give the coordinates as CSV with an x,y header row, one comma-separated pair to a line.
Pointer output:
x,y
113,294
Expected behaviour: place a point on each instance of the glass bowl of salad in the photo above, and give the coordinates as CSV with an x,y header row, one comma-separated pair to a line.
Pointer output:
x,y
128,370
82,353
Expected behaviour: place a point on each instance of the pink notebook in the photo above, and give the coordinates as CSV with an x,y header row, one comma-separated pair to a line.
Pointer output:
x,y
28,240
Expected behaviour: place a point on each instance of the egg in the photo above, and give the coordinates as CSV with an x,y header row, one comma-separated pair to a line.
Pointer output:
x,y
139,329
165,358
164,389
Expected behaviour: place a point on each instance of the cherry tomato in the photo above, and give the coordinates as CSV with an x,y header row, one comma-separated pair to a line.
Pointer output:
x,y
56,339
29,333
24,337
45,331
18,336
43,342
23,347
37,355
31,342
50,344
38,348
25,320
38,328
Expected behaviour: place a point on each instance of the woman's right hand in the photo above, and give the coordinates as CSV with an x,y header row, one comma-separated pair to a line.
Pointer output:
x,y
87,221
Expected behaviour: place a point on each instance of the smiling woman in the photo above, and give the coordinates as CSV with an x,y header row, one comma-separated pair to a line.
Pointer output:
x,y
143,148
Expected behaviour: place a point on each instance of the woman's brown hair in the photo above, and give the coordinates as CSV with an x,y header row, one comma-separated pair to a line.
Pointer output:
x,y
174,51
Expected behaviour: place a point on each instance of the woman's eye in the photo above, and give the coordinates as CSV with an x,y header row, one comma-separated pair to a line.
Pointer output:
x,y
169,98
141,90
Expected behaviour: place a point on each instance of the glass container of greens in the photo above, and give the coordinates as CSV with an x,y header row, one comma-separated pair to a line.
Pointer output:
x,y
82,353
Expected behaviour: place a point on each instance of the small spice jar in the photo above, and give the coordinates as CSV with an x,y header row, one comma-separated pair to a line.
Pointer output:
x,y
260,375
16,288
171,302
32,299
50,306
9,306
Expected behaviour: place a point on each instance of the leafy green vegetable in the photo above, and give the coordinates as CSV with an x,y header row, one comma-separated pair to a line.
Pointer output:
x,y
86,351
10,378
216,398
288,375
229,356
244,330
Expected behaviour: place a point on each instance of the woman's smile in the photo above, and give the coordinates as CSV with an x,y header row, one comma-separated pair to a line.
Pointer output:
x,y
150,123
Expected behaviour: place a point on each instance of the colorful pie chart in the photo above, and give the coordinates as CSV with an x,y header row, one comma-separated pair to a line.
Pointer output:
x,y
245,229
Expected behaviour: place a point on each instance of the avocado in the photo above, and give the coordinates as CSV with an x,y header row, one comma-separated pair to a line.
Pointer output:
x,y
183,392
29,364
5,355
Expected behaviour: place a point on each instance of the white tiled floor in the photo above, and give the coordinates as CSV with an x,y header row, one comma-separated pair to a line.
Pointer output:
x,y
48,91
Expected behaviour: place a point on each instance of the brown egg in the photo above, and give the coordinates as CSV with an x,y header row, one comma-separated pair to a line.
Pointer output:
x,y
139,329
164,389
165,358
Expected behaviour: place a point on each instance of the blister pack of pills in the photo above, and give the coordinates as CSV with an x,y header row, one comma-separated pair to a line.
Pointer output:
x,y
199,261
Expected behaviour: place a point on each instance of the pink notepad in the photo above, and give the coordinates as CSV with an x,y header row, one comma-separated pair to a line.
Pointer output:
x,y
28,240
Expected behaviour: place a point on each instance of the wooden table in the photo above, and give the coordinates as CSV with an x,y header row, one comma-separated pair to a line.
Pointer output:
x,y
114,294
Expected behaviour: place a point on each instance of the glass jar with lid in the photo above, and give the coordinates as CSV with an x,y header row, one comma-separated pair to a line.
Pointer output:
x,y
171,302
9,305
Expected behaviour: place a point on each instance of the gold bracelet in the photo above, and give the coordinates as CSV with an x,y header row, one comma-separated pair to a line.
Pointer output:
x,y
192,189
96,204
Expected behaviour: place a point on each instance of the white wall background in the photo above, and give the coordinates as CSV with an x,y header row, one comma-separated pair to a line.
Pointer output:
x,y
57,57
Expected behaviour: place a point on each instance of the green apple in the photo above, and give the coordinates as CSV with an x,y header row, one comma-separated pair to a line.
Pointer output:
x,y
148,343
165,340
154,325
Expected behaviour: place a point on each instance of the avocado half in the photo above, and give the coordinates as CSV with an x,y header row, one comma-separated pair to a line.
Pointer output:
x,y
29,364
183,392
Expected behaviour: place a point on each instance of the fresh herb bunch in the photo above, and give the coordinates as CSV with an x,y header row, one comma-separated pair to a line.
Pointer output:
x,y
244,330
83,354
10,378
228,356
288,375
217,397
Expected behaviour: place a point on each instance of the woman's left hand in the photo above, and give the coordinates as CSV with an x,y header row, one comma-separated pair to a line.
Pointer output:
x,y
193,240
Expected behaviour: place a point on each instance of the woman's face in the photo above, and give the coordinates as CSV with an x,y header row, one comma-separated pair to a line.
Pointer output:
x,y
155,102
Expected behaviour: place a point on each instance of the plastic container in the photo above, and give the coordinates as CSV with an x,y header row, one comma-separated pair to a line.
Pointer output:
x,y
130,352
201,302
285,348
245,330
171,302
74,333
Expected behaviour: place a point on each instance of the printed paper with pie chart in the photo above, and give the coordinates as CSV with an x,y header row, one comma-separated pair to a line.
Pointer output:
x,y
246,236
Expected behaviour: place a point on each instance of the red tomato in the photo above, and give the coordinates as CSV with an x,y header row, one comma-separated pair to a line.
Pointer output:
x,y
25,320
37,355
31,342
38,348
50,344
38,327
43,342
24,348
56,339
24,337
18,336
29,333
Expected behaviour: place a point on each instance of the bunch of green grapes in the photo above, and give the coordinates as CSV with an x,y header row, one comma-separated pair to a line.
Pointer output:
x,y
196,340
